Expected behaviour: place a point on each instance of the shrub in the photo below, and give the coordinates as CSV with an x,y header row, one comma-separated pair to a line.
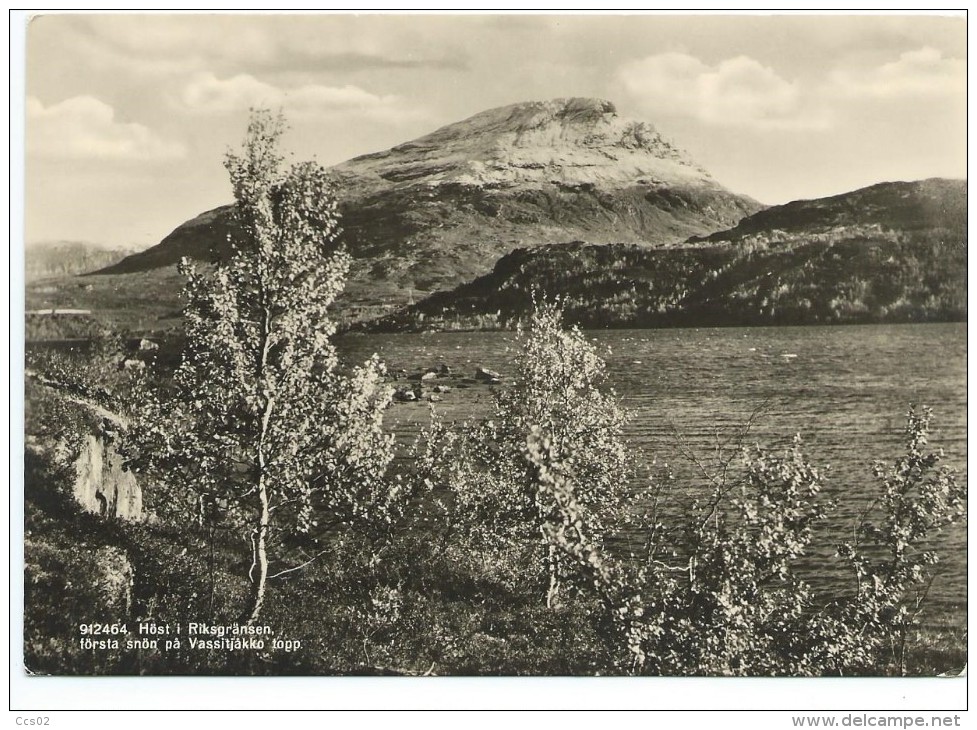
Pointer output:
x,y
728,600
892,557
532,497
495,500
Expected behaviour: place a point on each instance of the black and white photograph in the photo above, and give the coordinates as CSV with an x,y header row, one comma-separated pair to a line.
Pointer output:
x,y
484,344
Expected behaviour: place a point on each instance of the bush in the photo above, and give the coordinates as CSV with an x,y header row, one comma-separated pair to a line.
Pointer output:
x,y
457,589
495,500
729,601
892,557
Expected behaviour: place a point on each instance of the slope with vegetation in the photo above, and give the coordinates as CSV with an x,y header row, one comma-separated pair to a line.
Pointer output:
x,y
500,558
895,252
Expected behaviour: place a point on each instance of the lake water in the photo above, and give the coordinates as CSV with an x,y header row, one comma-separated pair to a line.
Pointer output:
x,y
844,389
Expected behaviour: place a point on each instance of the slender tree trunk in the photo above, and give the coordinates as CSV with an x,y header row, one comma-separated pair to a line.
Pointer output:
x,y
551,559
259,554
552,565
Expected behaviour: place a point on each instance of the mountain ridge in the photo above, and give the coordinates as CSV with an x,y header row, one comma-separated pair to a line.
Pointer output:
x,y
890,252
436,211
930,202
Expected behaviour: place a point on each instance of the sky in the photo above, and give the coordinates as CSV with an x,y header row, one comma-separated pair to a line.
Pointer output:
x,y
128,117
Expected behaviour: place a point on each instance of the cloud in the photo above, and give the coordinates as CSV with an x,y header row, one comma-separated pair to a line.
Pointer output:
x,y
354,61
85,128
205,92
922,73
269,43
737,91
742,92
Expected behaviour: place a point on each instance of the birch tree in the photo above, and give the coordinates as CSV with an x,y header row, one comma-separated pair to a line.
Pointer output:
x,y
498,499
260,421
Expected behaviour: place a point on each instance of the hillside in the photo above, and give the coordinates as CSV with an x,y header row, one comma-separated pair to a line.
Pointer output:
x,y
894,252
921,206
437,211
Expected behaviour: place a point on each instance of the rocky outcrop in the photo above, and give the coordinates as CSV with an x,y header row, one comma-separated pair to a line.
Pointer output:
x,y
405,395
102,484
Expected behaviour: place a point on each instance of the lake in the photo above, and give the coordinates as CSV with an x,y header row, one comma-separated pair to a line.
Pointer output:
x,y
844,389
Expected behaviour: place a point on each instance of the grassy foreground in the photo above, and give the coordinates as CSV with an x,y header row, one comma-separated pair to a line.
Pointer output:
x,y
433,615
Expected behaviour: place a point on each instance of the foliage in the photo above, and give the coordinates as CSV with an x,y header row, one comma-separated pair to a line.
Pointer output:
x,y
494,498
727,599
54,426
69,396
260,426
892,557
106,372
621,616
440,567
720,593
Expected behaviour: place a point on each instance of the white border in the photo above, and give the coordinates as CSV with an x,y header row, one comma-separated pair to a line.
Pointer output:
x,y
33,696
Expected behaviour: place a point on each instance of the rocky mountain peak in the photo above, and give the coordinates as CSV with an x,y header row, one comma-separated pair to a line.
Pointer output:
x,y
566,141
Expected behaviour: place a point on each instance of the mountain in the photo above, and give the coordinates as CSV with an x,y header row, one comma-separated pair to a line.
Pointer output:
x,y
892,252
437,211
924,205
65,258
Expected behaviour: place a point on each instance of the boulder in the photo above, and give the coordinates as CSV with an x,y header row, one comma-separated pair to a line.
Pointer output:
x,y
484,375
148,345
405,395
102,484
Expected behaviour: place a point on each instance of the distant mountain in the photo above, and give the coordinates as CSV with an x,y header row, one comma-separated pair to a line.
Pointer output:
x,y
893,252
203,238
63,258
924,205
437,211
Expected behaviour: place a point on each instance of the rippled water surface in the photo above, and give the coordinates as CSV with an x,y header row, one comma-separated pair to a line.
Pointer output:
x,y
845,390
